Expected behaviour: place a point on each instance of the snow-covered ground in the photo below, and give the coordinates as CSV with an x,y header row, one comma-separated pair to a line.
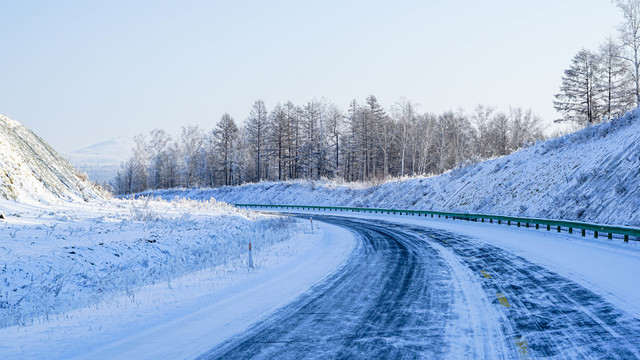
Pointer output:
x,y
592,175
83,276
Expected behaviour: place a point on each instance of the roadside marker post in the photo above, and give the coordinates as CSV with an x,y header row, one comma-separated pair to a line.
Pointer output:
x,y
311,219
250,257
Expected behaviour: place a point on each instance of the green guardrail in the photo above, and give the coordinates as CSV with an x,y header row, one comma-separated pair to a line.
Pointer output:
x,y
558,225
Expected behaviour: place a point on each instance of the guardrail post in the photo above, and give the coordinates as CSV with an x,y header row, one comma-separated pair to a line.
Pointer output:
x,y
558,228
499,222
584,232
570,230
518,223
491,221
509,222
595,234
626,238
537,226
610,236
548,227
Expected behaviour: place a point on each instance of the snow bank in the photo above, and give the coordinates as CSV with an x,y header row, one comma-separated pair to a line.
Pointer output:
x,y
188,315
55,259
31,171
591,175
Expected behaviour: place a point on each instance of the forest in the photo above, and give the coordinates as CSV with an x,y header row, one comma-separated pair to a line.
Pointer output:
x,y
319,140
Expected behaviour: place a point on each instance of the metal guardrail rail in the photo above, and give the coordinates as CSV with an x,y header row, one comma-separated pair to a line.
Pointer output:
x,y
558,225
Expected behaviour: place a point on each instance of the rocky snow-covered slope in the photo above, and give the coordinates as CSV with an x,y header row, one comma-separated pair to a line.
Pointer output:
x,y
592,175
31,171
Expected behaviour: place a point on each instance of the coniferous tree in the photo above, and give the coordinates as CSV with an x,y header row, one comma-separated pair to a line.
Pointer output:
x,y
255,135
630,37
578,99
226,137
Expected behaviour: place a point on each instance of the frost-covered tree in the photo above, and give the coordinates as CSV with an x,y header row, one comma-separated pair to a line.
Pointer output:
x,y
336,129
159,156
278,139
140,164
292,114
578,98
404,113
225,137
255,135
630,37
481,120
191,141
314,154
526,128
616,89
499,134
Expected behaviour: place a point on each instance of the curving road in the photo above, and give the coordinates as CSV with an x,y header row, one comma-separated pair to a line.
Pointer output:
x,y
414,292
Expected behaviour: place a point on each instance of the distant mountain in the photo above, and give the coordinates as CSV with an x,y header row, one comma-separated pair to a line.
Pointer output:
x,y
32,171
101,161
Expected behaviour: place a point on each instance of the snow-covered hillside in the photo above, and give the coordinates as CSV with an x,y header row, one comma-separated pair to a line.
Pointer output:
x,y
101,161
591,175
32,171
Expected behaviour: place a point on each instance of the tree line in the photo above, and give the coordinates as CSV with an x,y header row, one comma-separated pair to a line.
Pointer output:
x,y
600,85
320,140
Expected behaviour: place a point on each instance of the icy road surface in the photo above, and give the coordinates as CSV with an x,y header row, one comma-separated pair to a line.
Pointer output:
x,y
411,291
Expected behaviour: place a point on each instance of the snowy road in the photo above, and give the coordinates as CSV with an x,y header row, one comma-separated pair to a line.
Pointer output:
x,y
411,292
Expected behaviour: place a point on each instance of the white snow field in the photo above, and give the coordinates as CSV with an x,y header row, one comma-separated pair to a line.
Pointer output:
x,y
148,279
592,175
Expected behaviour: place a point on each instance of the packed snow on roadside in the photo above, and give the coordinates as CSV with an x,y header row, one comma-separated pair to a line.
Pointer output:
x,y
592,175
146,278
56,259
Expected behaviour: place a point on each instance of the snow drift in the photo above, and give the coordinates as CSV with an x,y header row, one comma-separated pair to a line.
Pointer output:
x,y
32,171
591,175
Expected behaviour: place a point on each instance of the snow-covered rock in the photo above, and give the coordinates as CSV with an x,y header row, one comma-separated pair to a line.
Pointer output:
x,y
101,161
32,171
591,175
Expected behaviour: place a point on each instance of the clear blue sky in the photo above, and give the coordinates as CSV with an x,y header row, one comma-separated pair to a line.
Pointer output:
x,y
80,72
